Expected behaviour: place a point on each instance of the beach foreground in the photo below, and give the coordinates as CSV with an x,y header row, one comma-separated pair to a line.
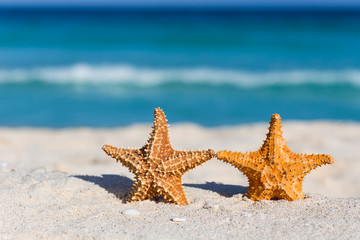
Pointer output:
x,y
59,184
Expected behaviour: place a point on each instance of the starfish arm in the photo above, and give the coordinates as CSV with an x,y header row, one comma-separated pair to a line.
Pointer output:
x,y
304,163
159,141
183,161
294,190
259,194
172,190
139,192
130,158
245,162
318,160
256,188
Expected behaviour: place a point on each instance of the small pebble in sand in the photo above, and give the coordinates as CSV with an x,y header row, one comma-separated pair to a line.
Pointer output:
x,y
3,165
246,214
215,207
131,212
211,206
245,198
178,219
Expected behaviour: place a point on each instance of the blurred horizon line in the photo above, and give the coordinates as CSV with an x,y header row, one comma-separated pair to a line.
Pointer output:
x,y
254,9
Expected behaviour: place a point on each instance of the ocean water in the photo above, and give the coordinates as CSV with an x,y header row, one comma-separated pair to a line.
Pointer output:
x,y
104,68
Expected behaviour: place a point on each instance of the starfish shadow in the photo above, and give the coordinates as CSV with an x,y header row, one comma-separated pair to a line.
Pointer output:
x,y
118,185
225,190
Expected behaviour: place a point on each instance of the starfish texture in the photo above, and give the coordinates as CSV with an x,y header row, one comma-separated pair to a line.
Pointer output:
x,y
157,166
274,172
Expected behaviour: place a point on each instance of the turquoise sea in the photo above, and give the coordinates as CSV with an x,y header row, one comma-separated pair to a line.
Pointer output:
x,y
111,67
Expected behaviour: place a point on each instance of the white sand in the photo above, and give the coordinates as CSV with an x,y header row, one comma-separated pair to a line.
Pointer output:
x,y
58,184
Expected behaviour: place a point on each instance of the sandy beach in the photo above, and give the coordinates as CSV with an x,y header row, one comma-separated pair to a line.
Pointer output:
x,y
59,184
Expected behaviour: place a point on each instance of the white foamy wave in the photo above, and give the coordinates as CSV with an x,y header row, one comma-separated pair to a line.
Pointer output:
x,y
125,74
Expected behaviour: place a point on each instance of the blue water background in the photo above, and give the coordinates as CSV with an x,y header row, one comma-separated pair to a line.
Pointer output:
x,y
102,68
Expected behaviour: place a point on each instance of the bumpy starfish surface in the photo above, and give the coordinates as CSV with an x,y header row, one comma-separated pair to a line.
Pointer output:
x,y
157,166
274,172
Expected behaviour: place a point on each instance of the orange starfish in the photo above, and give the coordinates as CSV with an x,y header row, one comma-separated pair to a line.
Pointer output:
x,y
157,166
274,172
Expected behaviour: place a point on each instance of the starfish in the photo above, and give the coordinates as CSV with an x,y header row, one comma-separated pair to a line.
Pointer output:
x,y
157,166
274,172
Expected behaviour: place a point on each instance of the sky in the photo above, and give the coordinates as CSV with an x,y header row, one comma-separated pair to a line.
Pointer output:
x,y
183,3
